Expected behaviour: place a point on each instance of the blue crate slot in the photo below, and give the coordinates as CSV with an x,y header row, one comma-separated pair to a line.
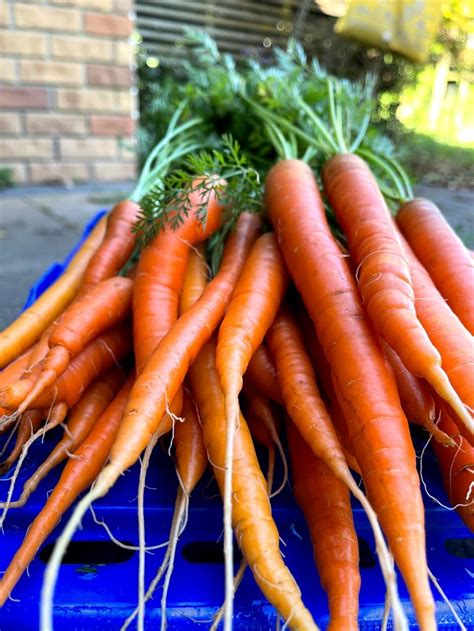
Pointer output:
x,y
100,591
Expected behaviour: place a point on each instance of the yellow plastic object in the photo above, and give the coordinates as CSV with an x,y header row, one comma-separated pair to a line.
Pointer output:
x,y
404,26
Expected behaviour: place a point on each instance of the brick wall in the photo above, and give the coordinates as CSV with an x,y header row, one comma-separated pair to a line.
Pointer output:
x,y
67,101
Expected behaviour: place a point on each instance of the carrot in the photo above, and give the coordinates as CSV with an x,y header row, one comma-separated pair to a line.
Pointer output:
x,y
415,397
255,530
383,273
263,427
323,373
446,331
30,422
77,475
255,301
326,505
457,468
81,421
116,247
29,326
160,276
262,373
9,375
308,412
442,254
377,427
160,381
98,356
194,283
95,311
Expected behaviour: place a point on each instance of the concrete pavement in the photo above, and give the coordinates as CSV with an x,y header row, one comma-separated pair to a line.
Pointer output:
x,y
41,225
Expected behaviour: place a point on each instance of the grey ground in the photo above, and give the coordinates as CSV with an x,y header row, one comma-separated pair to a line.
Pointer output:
x,y
41,225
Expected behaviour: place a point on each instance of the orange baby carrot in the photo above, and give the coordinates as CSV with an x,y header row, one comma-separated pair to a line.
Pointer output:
x,y
262,373
326,505
367,392
255,530
383,273
99,356
442,254
95,311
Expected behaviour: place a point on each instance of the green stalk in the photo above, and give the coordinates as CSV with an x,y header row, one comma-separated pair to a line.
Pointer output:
x,y
341,143
383,164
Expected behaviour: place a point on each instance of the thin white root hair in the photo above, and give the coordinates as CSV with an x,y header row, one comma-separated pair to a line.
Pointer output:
x,y
52,569
400,622
7,419
119,543
231,403
10,437
237,580
432,497
141,529
179,523
386,612
175,531
443,595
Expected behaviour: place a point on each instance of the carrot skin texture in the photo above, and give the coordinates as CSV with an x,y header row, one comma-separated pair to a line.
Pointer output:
x,y
415,397
30,422
82,418
325,502
255,530
167,367
442,254
116,247
261,372
446,331
160,275
30,325
99,356
457,469
377,427
255,301
383,272
77,475
191,456
103,306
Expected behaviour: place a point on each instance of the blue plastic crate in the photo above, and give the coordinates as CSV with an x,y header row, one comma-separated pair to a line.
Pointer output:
x,y
98,591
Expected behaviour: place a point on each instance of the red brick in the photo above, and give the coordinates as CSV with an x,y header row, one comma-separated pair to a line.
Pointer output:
x,y
108,76
23,98
112,25
111,125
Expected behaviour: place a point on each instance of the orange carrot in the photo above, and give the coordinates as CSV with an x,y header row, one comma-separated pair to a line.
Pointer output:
x,y
30,422
254,527
326,505
457,468
78,474
415,397
99,356
383,273
255,301
442,254
160,276
116,247
159,382
95,311
82,419
367,392
29,326
447,333
324,377
262,373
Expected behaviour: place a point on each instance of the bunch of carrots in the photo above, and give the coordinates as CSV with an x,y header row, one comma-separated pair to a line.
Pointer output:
x,y
316,341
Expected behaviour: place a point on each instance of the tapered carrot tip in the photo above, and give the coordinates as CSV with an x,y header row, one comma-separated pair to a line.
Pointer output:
x,y
445,390
11,396
55,363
